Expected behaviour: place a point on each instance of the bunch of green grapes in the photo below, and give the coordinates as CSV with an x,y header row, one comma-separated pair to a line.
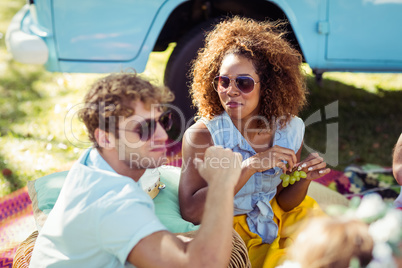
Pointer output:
x,y
292,177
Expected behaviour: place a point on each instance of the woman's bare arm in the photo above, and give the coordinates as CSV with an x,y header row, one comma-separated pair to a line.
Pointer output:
x,y
193,188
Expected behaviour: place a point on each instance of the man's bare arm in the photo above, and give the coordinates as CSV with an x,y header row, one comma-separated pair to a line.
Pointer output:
x,y
212,245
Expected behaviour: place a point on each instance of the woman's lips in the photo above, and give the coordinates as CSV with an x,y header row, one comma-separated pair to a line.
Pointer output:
x,y
233,104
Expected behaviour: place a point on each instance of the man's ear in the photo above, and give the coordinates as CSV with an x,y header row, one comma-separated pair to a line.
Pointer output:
x,y
104,139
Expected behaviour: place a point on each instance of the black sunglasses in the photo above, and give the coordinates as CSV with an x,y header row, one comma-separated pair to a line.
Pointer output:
x,y
244,83
146,129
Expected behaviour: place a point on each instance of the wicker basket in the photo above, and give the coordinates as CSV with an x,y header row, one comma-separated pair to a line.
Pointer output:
x,y
24,251
238,259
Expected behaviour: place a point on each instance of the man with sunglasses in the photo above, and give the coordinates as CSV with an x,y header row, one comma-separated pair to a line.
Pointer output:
x,y
103,218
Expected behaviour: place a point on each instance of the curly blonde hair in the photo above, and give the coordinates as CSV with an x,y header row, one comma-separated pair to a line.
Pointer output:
x,y
331,242
278,65
112,96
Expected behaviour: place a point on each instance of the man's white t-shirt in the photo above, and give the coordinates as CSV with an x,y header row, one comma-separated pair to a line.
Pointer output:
x,y
97,220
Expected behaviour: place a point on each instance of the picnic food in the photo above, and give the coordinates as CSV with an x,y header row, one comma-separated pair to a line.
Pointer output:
x,y
151,183
292,177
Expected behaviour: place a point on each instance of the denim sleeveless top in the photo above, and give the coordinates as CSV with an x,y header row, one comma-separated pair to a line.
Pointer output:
x,y
254,197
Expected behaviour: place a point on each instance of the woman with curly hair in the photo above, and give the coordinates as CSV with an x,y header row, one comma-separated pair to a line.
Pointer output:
x,y
249,87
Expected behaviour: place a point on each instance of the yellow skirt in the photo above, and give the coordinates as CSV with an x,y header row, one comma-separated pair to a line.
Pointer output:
x,y
272,255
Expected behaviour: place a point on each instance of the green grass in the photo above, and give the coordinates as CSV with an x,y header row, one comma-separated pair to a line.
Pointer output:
x,y
369,116
34,105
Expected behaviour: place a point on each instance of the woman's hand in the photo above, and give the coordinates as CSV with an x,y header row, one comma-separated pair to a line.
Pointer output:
x,y
314,166
273,157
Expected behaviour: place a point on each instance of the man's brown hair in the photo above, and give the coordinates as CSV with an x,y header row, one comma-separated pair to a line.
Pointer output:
x,y
112,96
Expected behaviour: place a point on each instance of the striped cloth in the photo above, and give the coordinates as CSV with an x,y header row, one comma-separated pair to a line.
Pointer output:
x,y
16,224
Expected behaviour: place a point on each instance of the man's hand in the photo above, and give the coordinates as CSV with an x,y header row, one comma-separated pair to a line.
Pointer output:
x,y
219,164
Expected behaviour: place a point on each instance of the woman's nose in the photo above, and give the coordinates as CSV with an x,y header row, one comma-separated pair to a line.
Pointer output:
x,y
232,89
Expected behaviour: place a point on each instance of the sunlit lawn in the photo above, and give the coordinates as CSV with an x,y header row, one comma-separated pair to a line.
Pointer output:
x,y
36,111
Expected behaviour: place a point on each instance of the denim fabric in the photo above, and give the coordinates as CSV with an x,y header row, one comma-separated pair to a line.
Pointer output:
x,y
255,196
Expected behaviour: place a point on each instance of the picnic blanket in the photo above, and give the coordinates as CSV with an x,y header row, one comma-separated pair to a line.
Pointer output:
x,y
17,222
360,180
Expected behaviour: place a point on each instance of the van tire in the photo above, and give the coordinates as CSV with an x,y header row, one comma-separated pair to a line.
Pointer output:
x,y
178,67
